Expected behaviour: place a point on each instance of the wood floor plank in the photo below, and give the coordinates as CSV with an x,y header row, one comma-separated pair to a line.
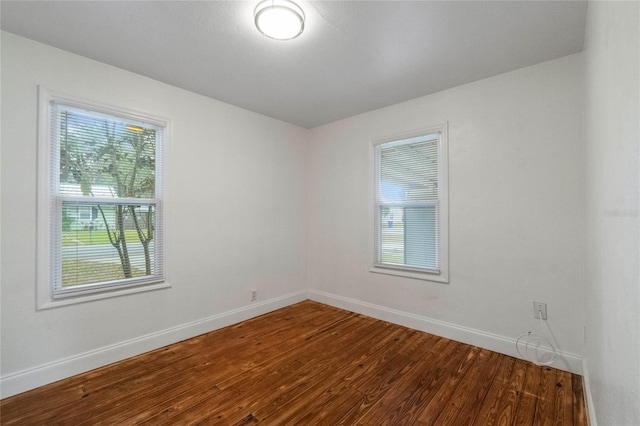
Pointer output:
x,y
326,407
564,398
578,405
545,407
527,407
511,398
116,401
309,364
463,405
261,372
430,412
414,391
488,412
376,384
278,408
237,398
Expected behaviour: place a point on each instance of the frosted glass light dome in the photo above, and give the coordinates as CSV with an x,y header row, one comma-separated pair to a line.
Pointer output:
x,y
279,19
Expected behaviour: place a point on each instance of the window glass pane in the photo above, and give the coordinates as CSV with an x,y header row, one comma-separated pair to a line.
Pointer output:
x,y
104,156
409,172
409,236
392,235
106,242
420,243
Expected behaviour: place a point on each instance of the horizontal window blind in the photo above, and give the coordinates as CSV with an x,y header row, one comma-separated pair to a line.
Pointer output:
x,y
106,201
407,203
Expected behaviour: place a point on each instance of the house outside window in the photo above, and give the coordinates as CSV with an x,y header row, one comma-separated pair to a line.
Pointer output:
x,y
411,205
100,227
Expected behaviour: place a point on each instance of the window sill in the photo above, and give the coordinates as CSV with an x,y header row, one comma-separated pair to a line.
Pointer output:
x,y
49,302
425,276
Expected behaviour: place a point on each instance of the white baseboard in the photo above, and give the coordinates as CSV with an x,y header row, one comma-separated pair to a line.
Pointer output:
x,y
588,397
504,345
31,378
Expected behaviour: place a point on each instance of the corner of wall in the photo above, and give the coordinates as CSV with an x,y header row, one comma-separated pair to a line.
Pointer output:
x,y
505,345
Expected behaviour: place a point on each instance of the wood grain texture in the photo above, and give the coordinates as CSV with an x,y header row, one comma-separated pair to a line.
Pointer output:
x,y
309,364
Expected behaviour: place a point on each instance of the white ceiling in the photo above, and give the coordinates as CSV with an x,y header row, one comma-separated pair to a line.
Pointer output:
x,y
354,56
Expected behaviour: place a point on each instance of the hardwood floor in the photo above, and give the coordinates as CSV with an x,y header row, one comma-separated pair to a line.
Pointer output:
x,y
309,364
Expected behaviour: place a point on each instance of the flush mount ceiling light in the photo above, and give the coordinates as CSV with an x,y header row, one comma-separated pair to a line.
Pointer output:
x,y
279,19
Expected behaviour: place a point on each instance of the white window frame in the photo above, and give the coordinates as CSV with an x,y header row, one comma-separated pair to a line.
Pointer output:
x,y
442,275
47,232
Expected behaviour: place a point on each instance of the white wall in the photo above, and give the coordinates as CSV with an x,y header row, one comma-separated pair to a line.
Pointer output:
x,y
612,135
235,212
516,211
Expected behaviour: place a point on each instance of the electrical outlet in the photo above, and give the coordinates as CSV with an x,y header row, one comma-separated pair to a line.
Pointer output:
x,y
540,310
254,295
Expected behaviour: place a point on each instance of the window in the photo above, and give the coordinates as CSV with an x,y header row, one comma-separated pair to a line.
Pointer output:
x,y
411,207
100,201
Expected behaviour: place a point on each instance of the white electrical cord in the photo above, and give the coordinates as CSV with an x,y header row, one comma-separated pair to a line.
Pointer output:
x,y
533,344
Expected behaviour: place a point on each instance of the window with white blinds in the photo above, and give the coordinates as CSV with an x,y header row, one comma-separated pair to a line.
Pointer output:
x,y
101,203
411,205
